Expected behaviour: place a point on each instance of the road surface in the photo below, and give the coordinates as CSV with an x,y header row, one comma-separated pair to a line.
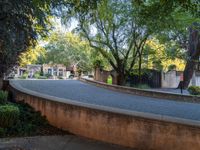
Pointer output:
x,y
86,93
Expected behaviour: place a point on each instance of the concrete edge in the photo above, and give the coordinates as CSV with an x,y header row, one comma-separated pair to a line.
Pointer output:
x,y
138,114
151,93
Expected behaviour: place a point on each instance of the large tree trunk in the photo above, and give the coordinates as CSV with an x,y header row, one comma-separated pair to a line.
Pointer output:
x,y
188,73
193,55
121,78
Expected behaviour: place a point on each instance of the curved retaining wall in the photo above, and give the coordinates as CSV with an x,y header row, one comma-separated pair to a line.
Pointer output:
x,y
148,93
127,128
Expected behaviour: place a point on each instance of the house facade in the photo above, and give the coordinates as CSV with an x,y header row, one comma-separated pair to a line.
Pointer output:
x,y
58,70
32,69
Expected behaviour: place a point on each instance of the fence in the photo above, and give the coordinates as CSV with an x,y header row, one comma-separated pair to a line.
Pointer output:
x,y
150,77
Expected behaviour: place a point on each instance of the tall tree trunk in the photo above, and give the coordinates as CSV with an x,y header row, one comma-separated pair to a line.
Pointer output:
x,y
188,73
121,78
193,55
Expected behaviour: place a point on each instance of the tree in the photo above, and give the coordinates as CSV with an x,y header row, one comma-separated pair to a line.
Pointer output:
x,y
163,56
113,30
193,54
21,22
70,50
181,14
31,56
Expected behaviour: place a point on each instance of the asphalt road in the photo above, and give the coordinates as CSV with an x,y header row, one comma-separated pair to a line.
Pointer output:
x,y
86,93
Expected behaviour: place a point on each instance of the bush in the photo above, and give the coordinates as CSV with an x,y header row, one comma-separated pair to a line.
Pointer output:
x,y
141,86
171,67
36,75
48,75
29,121
24,76
59,77
9,115
3,97
194,90
2,132
42,77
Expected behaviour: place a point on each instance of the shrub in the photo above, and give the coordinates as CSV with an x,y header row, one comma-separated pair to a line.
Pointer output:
x,y
48,75
42,77
36,75
29,121
59,77
3,97
141,86
25,75
171,67
9,115
2,132
194,90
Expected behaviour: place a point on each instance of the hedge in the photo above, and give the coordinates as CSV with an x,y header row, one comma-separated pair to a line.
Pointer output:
x,y
194,90
9,115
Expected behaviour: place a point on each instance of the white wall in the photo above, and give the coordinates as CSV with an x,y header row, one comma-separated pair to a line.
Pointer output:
x,y
170,79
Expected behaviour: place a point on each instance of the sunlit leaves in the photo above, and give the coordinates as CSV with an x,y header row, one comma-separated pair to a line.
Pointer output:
x,y
68,49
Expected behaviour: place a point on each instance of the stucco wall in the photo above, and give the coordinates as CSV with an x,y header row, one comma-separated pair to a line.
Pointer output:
x,y
136,130
170,79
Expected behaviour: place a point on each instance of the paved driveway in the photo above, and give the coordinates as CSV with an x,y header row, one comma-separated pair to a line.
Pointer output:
x,y
86,93
67,142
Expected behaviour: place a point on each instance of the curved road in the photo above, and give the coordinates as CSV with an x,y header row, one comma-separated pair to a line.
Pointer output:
x,y
79,91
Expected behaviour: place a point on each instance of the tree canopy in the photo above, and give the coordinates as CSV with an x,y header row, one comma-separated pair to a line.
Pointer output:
x,y
70,50
21,23
119,29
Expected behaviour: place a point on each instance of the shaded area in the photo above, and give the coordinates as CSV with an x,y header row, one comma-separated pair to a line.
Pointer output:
x,y
67,142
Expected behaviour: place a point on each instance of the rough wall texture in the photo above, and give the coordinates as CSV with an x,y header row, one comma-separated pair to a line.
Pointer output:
x,y
126,130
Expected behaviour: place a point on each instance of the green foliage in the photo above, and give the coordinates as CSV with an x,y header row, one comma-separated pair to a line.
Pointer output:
x,y
194,90
3,97
25,75
141,86
171,67
9,115
22,23
36,75
42,77
32,55
109,80
68,49
28,123
2,132
59,77
48,75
